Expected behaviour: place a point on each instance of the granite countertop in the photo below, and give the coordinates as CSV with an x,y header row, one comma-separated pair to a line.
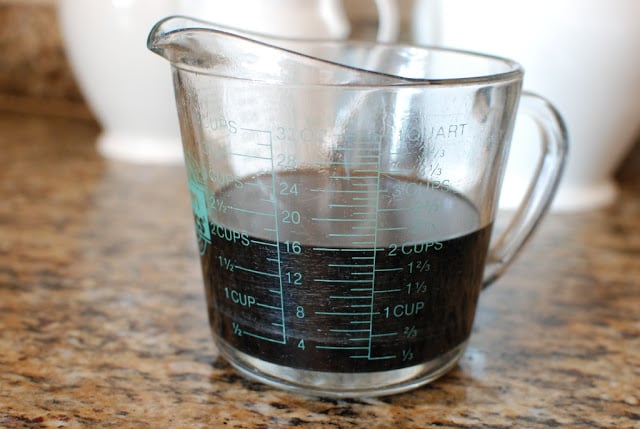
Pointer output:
x,y
103,321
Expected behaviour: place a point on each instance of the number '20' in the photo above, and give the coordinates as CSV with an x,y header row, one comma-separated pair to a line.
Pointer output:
x,y
291,216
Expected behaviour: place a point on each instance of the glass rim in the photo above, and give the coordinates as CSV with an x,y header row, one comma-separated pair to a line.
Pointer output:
x,y
174,26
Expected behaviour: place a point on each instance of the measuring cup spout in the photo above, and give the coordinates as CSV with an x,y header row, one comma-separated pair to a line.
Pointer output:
x,y
220,51
207,48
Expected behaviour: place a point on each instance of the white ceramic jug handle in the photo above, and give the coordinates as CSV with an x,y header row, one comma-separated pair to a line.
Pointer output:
x,y
388,20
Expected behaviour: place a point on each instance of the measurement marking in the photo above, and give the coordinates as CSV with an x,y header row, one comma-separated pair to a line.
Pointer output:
x,y
367,289
271,230
348,330
364,242
365,257
360,322
256,271
357,143
348,249
352,205
365,198
397,228
271,307
354,147
354,235
362,156
361,171
373,358
272,260
345,191
254,212
341,313
340,281
366,273
398,172
347,163
388,334
353,177
255,130
340,348
275,292
352,265
246,155
264,243
359,339
387,291
260,337
383,270
261,184
375,241
360,306
328,219
277,240
350,297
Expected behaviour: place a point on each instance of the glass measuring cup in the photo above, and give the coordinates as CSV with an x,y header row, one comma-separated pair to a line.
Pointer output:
x,y
344,195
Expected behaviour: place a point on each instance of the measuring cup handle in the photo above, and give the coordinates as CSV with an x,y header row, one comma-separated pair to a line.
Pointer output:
x,y
554,143
388,20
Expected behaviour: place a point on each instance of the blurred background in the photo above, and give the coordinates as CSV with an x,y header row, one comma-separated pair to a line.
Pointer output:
x,y
36,76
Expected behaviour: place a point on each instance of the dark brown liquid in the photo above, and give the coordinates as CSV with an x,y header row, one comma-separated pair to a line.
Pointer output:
x,y
381,279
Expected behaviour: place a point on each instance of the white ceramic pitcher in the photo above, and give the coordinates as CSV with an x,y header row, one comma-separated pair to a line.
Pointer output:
x,y
127,87
584,55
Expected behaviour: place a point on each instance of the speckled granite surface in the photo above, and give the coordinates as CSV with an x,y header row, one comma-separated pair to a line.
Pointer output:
x,y
103,323
33,64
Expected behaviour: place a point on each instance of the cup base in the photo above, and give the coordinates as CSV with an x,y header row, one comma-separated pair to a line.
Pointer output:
x,y
339,384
